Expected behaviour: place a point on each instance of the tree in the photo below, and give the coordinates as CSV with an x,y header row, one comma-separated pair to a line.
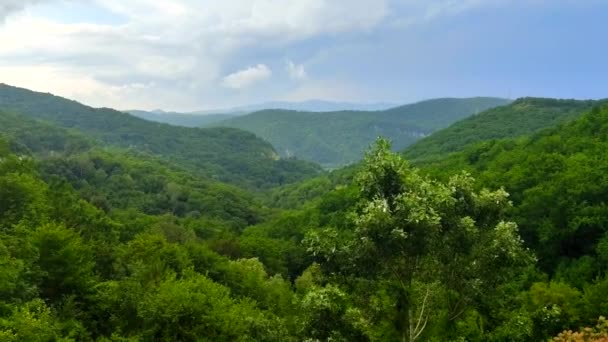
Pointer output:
x,y
431,246
65,263
31,321
326,316
194,308
22,197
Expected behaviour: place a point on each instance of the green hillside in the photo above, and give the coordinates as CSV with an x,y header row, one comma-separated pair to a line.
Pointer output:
x,y
556,188
27,135
338,138
103,243
225,154
523,116
101,246
128,179
557,179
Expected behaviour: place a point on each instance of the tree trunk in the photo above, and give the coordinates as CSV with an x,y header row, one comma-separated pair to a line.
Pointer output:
x,y
403,322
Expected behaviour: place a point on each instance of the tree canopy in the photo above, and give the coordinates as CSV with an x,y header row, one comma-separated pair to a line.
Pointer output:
x,y
502,240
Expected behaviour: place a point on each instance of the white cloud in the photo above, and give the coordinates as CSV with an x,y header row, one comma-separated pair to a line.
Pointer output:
x,y
296,71
180,47
283,19
247,77
8,7
76,85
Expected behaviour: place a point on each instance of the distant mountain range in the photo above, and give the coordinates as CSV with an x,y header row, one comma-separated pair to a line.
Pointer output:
x,y
308,106
206,117
337,138
181,119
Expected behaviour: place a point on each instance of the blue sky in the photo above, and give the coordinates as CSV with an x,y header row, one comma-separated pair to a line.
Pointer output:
x,y
201,54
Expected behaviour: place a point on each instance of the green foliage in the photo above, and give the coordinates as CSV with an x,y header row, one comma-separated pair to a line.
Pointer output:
x,y
224,154
327,315
103,244
522,117
594,299
96,286
65,263
32,321
30,136
434,247
309,191
337,138
552,306
557,180
4,147
118,180
247,278
195,308
11,274
22,197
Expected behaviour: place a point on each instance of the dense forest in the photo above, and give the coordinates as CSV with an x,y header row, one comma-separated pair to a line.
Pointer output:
x,y
113,228
334,139
226,154
523,116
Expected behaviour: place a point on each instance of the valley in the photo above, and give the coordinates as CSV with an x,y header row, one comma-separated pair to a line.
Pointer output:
x,y
120,221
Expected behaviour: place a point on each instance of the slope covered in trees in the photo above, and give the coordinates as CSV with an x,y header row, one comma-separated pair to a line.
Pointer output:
x,y
557,179
105,258
104,243
523,116
225,154
557,183
127,179
28,135
337,138
75,269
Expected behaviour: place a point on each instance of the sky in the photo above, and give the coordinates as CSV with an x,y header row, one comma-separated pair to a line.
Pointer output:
x,y
187,55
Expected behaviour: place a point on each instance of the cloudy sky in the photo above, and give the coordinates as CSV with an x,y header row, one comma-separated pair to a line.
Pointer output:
x,y
201,54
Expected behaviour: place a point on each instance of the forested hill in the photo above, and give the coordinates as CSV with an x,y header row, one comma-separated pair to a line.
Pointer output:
x,y
557,180
226,154
337,138
523,116
28,136
556,183
101,243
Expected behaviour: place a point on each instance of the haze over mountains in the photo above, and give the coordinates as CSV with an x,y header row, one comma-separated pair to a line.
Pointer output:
x,y
337,138
182,119
308,106
205,117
